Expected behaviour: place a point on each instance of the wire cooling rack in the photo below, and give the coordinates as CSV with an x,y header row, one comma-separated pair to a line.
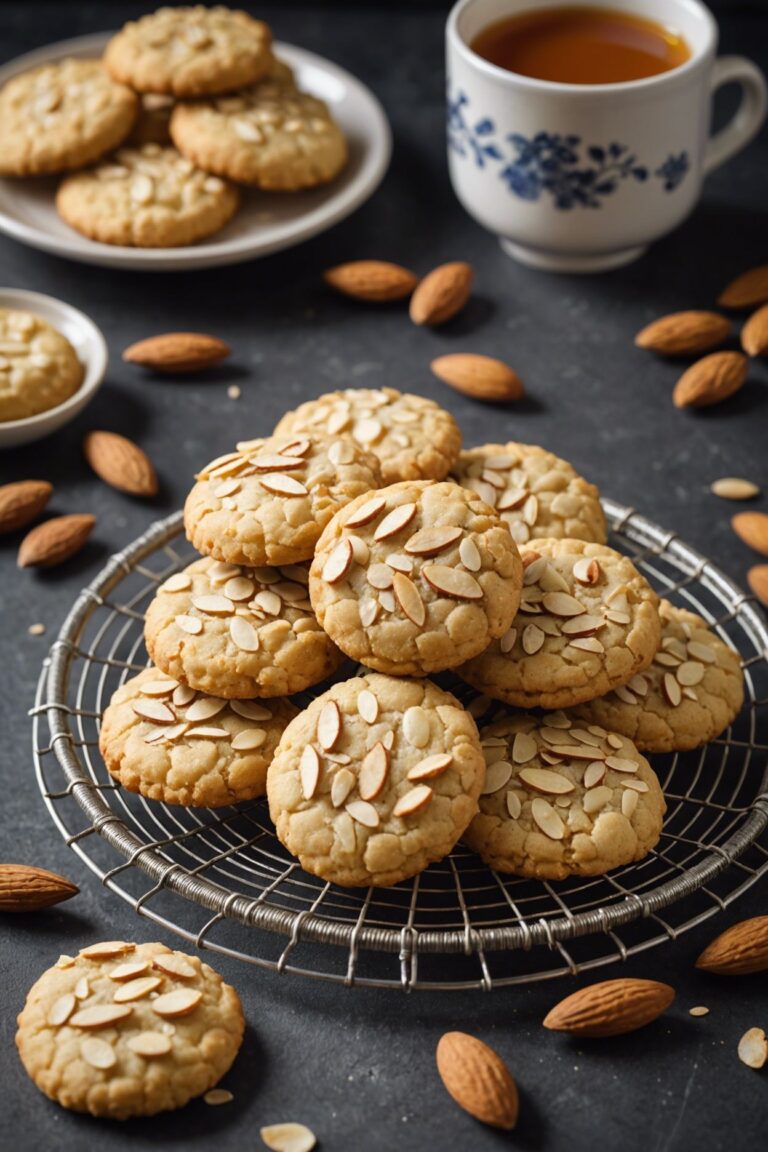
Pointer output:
x,y
222,881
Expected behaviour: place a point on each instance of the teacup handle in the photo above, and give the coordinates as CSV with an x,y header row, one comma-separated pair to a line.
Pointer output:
x,y
749,115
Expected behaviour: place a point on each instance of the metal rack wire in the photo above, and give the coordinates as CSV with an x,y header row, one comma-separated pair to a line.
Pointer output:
x,y
221,880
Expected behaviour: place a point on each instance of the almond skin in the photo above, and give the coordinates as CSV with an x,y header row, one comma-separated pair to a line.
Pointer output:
x,y
754,334
177,352
22,502
376,281
757,578
752,528
55,541
121,463
739,951
684,333
711,380
25,889
441,294
481,377
610,1008
478,1079
749,290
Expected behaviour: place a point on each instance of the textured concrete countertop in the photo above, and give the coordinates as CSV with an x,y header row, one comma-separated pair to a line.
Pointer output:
x,y
358,1065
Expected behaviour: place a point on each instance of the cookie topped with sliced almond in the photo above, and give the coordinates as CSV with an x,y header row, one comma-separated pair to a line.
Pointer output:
x,y
415,578
588,622
563,799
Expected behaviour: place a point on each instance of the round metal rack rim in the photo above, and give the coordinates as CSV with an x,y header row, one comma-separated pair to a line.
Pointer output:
x,y
141,850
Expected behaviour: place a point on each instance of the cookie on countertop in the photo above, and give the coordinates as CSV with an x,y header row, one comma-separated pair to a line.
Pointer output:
x,y
690,693
588,622
190,51
62,115
268,501
415,578
239,633
561,800
536,492
413,437
39,368
128,1029
168,742
270,136
376,779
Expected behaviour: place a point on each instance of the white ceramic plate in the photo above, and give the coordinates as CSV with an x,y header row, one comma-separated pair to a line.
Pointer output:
x,y
265,221
91,349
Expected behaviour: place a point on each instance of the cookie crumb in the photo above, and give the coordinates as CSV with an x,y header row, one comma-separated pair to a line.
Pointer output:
x,y
218,1096
36,629
234,392
699,1010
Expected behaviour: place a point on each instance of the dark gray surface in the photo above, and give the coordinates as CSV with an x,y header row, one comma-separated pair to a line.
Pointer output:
x,y
355,1065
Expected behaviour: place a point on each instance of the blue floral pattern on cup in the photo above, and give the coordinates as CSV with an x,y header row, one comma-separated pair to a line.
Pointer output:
x,y
573,174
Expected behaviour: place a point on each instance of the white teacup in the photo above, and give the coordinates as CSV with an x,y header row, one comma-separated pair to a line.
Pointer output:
x,y
581,178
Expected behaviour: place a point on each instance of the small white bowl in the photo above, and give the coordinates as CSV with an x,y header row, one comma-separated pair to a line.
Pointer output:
x,y
91,349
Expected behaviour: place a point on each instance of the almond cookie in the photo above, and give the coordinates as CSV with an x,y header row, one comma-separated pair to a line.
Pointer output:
x,y
536,492
415,578
190,51
237,632
375,779
61,116
560,800
168,742
268,501
148,197
128,1030
39,368
690,693
413,438
588,622
271,136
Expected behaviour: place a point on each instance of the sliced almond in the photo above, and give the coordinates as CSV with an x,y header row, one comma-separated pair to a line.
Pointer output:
x,y
380,576
507,641
366,512
533,639
309,771
672,689
179,582
587,644
584,625
100,1016
130,970
413,801
249,740
395,521
342,784
629,802
82,988
244,635
98,1053
360,551
207,732
514,805
154,710
363,812
180,1002
586,570
174,965
250,710
409,599
338,563
547,818
430,541
277,462
150,1044
192,625
542,780
594,773
689,673
387,600
452,582
61,1010
596,799
373,772
621,764
159,687
239,588
213,604
329,725
431,766
368,706
562,604
205,708
524,748
106,949
416,726
369,610
281,484
136,989
497,776
470,555
367,431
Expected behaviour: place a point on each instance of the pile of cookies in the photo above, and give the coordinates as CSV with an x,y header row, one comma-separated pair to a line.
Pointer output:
x,y
360,529
186,104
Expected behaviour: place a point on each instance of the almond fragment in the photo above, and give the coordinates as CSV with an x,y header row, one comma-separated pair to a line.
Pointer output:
x,y
734,488
24,888
752,528
711,380
684,333
739,951
120,463
481,377
757,578
376,281
22,502
753,1048
747,291
177,352
610,1008
55,541
441,294
478,1079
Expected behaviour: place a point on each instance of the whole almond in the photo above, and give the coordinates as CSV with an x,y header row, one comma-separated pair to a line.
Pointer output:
x,y
757,578
749,290
684,333
377,281
754,334
121,463
25,889
441,294
478,1079
711,380
752,528
55,541
22,502
610,1008
482,377
740,950
177,352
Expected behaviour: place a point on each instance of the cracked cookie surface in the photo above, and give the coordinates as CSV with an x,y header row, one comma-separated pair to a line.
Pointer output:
x,y
268,501
376,779
415,578
128,1029
588,622
413,438
562,800
687,696
168,742
239,633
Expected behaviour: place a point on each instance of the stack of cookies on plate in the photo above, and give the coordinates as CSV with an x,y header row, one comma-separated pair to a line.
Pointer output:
x,y
186,104
361,529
